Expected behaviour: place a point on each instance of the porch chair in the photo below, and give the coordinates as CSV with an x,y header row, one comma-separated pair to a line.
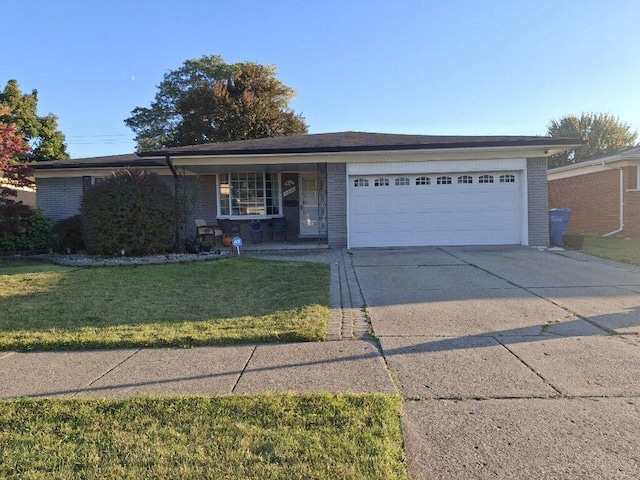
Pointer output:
x,y
278,225
203,230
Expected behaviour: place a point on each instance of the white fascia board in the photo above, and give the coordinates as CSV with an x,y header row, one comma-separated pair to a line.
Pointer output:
x,y
558,174
468,153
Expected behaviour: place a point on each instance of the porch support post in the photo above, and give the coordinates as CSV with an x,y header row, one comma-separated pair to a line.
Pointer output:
x,y
177,184
322,200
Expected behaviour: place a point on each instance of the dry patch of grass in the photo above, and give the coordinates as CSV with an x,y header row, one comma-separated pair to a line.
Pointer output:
x,y
230,437
47,306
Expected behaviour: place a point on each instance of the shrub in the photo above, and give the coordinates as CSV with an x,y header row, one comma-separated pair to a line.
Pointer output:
x,y
66,235
22,228
132,211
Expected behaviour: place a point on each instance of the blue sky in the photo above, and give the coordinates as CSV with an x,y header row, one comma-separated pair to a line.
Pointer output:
x,y
458,67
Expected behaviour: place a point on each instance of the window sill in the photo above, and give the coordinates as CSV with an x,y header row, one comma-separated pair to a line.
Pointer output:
x,y
248,217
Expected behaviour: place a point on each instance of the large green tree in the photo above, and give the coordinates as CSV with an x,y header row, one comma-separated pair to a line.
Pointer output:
x,y
208,100
41,133
603,132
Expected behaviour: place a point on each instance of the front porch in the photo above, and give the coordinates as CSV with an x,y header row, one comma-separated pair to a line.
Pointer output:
x,y
310,244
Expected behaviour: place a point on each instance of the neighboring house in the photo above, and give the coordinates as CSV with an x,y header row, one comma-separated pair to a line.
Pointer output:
x,y
353,189
603,193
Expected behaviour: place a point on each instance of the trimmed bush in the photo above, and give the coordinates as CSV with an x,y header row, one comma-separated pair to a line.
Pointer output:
x,y
22,228
132,211
66,235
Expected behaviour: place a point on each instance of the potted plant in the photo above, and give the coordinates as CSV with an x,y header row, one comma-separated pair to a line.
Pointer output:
x,y
207,246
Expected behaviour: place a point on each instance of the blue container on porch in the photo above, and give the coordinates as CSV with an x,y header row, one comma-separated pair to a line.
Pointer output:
x,y
558,224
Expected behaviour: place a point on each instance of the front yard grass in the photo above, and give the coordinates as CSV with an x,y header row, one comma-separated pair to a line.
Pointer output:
x,y
232,437
47,306
626,250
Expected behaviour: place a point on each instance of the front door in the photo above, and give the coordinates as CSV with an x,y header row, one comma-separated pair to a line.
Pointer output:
x,y
309,205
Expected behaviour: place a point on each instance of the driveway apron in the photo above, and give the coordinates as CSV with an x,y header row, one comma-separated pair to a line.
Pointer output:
x,y
514,362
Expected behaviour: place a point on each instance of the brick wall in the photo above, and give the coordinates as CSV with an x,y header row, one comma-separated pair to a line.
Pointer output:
x,y
201,196
632,214
538,197
631,203
59,198
594,200
337,204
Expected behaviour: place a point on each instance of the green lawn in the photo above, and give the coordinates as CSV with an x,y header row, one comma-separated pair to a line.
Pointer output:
x,y
626,250
47,306
227,437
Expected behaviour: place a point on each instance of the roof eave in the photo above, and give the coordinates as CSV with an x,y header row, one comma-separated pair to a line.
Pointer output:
x,y
553,146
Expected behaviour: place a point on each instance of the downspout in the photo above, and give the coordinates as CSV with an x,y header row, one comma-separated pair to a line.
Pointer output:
x,y
176,188
621,206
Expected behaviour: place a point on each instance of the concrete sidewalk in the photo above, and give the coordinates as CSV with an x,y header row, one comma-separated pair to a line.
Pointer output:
x,y
350,366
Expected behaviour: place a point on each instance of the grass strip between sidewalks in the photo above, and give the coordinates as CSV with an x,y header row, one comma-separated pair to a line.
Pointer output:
x,y
235,300
321,436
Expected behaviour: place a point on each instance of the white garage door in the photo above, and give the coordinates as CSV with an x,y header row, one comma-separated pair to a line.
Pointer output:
x,y
435,209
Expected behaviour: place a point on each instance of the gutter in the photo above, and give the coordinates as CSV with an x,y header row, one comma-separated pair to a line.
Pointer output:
x,y
621,216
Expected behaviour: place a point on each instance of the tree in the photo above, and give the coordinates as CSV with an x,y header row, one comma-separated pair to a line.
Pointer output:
x,y
604,133
208,100
12,146
21,227
41,133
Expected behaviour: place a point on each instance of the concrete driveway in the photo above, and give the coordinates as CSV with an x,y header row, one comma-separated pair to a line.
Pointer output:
x,y
514,362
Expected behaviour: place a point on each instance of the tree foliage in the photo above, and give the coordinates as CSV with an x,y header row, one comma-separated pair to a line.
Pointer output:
x,y
41,133
132,211
604,133
208,100
12,146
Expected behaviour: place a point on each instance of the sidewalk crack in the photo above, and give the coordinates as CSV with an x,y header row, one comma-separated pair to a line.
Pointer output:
x,y
87,386
557,390
233,390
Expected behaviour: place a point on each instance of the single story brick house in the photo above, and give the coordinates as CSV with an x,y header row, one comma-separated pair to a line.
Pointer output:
x,y
349,189
603,193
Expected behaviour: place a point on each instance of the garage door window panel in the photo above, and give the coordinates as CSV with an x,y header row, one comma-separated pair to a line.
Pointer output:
x,y
361,182
381,182
485,179
507,179
423,181
444,180
465,179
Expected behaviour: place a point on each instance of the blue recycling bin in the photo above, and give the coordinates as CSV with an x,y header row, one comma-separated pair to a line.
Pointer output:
x,y
558,224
